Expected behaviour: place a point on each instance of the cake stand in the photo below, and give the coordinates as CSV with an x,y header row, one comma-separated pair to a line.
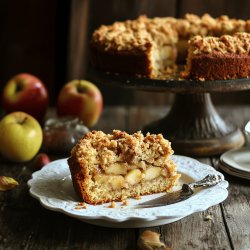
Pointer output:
x,y
192,125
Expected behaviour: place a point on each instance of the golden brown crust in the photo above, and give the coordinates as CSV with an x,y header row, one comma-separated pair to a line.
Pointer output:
x,y
79,172
214,67
96,152
136,63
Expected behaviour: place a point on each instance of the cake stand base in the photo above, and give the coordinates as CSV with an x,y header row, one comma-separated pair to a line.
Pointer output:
x,y
195,128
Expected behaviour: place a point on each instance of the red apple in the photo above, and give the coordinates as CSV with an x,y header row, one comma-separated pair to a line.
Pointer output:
x,y
81,99
25,92
41,160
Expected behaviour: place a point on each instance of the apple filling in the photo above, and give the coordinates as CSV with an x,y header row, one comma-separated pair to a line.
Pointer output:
x,y
161,58
121,179
118,176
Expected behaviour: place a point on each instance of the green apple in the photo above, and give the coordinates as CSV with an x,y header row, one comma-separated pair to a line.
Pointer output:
x,y
21,137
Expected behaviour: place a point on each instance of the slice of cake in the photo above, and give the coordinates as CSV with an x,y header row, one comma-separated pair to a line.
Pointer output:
x,y
113,167
225,57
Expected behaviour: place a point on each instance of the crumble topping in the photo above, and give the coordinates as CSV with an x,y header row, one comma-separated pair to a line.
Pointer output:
x,y
192,25
135,34
106,147
144,32
225,25
239,44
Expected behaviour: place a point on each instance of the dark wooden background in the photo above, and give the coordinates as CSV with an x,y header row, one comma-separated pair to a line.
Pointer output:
x,y
49,38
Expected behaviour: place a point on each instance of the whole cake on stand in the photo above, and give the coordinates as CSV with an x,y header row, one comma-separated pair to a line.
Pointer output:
x,y
145,50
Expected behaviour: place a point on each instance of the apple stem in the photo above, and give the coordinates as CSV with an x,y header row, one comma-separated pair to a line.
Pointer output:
x,y
19,86
23,121
81,89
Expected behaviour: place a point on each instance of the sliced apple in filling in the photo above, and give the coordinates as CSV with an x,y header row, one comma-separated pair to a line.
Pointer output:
x,y
152,173
116,168
134,176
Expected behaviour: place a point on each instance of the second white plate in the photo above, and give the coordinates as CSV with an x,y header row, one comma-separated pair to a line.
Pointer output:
x,y
238,159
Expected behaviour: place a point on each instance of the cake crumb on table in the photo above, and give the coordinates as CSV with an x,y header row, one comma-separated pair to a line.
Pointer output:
x,y
81,205
138,197
112,205
208,217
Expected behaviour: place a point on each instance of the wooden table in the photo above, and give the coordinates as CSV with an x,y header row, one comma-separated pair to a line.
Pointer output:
x,y
25,224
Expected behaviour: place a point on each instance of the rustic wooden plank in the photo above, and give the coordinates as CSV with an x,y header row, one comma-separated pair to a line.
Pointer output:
x,y
68,233
241,97
236,207
141,116
196,232
112,118
238,115
16,218
153,99
78,40
27,41
237,9
120,10
236,211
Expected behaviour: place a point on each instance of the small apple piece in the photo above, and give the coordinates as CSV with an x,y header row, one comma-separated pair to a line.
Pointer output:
x,y
7,183
21,137
25,92
117,182
41,160
82,99
134,176
150,240
116,168
152,173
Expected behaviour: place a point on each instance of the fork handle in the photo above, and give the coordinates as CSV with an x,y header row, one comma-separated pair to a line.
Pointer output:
x,y
209,180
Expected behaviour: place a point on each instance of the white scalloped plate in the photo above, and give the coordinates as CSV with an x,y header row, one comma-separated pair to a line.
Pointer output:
x,y
52,186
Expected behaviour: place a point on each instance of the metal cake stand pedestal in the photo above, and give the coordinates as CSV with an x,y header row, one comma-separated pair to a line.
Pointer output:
x,y
192,125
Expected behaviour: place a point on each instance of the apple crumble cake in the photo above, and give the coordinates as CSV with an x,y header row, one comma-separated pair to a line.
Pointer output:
x,y
113,167
149,46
